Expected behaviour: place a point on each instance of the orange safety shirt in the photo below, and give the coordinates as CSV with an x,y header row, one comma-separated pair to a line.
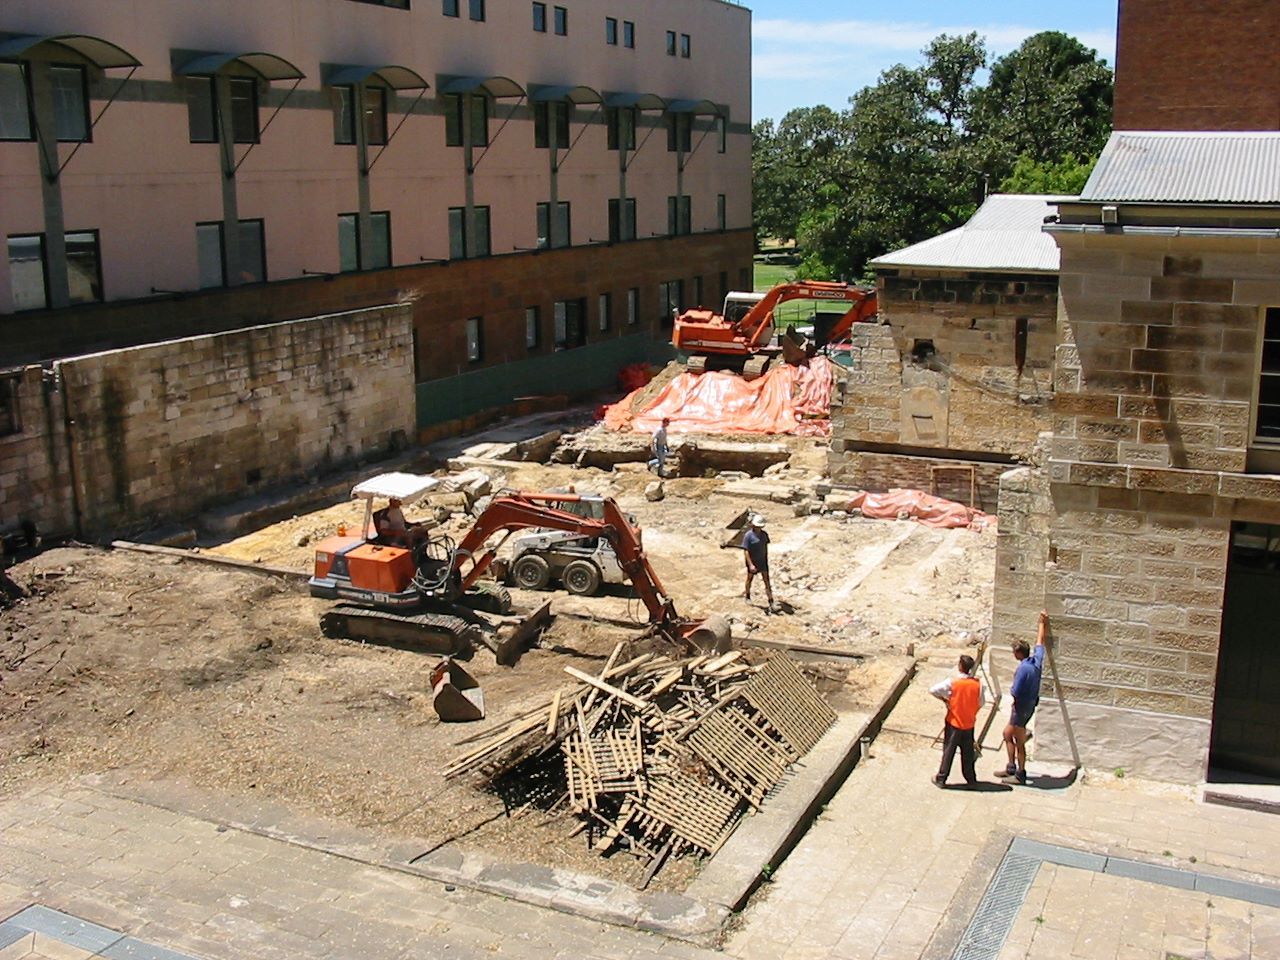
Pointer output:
x,y
962,706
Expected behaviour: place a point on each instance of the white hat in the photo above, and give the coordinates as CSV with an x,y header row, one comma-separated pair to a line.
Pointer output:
x,y
756,520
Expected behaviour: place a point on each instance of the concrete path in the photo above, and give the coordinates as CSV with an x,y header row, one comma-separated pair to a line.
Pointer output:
x,y
894,868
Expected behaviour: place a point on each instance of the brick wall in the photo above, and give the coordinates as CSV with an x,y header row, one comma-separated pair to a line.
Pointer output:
x,y
943,476
34,483
442,297
1192,65
162,431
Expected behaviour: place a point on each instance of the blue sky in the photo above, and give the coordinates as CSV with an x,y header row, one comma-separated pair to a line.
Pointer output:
x,y
806,52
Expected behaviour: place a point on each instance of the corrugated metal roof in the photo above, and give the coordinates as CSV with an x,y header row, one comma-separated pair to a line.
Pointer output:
x,y
1004,234
1176,167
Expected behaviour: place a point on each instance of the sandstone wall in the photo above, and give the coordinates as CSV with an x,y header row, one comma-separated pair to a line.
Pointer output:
x,y
35,486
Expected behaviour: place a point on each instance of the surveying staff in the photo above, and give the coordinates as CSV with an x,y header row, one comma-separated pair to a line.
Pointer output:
x,y
1025,691
964,697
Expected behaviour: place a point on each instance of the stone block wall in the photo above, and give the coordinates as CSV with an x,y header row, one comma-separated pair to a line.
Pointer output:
x,y
942,375
34,483
164,430
1154,378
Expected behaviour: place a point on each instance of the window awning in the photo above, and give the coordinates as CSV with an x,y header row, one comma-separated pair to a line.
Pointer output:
x,y
497,87
101,53
575,95
395,77
640,101
266,65
697,108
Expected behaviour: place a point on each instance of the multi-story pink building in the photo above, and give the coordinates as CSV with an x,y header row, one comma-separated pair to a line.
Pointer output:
x,y
538,178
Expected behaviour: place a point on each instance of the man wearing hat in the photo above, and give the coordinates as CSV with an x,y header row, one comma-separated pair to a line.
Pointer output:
x,y
755,547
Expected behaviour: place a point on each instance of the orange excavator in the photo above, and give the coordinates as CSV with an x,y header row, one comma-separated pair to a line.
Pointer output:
x,y
430,596
736,340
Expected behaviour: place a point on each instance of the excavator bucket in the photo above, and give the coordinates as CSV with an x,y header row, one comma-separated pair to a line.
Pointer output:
x,y
796,347
455,694
712,635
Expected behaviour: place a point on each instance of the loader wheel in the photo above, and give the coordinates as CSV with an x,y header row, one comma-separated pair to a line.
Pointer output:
x,y
581,578
531,572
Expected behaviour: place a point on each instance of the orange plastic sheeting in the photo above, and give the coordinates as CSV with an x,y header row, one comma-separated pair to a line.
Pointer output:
x,y
787,399
922,507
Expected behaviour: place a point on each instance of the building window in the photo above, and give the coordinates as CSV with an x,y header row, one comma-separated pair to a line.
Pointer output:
x,y
29,269
621,124
571,328
671,43
561,21
679,215
720,211
349,242
622,220
70,104
628,34
15,113
397,4
458,230
532,327
450,8
554,226
9,419
722,134
633,306
211,253
539,18
375,115
611,31
604,311
1267,424
548,116
454,105
679,132
670,300
202,109
686,46
476,9
475,339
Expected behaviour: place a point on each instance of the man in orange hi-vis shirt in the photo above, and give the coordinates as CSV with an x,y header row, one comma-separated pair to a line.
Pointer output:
x,y
964,697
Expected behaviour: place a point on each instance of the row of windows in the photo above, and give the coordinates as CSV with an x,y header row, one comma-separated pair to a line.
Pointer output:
x,y
570,322
28,254
686,45
551,120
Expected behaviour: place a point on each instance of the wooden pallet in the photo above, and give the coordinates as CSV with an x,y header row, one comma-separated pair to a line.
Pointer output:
x,y
611,761
743,749
785,696
698,815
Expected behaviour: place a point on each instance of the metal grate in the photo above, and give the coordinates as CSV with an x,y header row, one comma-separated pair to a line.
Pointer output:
x,y
998,908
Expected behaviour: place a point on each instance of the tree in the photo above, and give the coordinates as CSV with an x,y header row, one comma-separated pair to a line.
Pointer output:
x,y
791,164
1048,100
1066,177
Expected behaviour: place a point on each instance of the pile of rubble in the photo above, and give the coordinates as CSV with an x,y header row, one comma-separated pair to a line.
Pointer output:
x,y
661,757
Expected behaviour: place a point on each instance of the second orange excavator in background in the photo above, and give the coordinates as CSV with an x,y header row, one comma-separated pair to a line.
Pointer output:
x,y
742,339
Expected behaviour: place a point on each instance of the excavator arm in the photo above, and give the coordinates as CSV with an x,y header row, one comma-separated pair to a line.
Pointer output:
x,y
756,322
520,511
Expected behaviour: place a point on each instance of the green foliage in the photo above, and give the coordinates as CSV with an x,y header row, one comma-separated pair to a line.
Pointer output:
x,y
1066,176
915,153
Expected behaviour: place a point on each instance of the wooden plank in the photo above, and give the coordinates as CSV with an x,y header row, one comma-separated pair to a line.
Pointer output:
x,y
212,559
608,688
553,715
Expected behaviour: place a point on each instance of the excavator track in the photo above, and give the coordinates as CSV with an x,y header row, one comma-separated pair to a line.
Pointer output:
x,y
431,632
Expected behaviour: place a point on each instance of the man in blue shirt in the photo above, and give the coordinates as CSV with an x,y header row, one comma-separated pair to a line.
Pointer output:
x,y
755,546
1025,691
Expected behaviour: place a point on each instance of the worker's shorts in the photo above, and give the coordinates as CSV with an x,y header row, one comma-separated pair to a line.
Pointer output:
x,y
1020,716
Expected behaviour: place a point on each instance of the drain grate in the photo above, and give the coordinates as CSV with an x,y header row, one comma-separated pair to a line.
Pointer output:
x,y
998,908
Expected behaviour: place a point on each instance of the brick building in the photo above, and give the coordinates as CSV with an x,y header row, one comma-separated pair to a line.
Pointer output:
x,y
541,183
953,385
1151,532
1191,65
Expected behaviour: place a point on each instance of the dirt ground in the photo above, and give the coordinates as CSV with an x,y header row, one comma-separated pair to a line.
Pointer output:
x,y
160,669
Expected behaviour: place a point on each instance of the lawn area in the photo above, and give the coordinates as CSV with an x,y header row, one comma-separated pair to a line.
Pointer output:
x,y
769,275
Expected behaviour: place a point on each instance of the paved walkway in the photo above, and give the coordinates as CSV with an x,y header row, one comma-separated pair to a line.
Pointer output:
x,y
894,868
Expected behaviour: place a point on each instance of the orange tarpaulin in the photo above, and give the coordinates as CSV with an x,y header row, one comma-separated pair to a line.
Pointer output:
x,y
787,399
919,506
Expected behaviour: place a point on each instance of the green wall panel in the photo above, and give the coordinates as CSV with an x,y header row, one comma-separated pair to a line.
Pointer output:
x,y
573,372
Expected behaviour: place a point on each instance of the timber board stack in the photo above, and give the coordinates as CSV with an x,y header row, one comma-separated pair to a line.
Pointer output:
x,y
661,757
